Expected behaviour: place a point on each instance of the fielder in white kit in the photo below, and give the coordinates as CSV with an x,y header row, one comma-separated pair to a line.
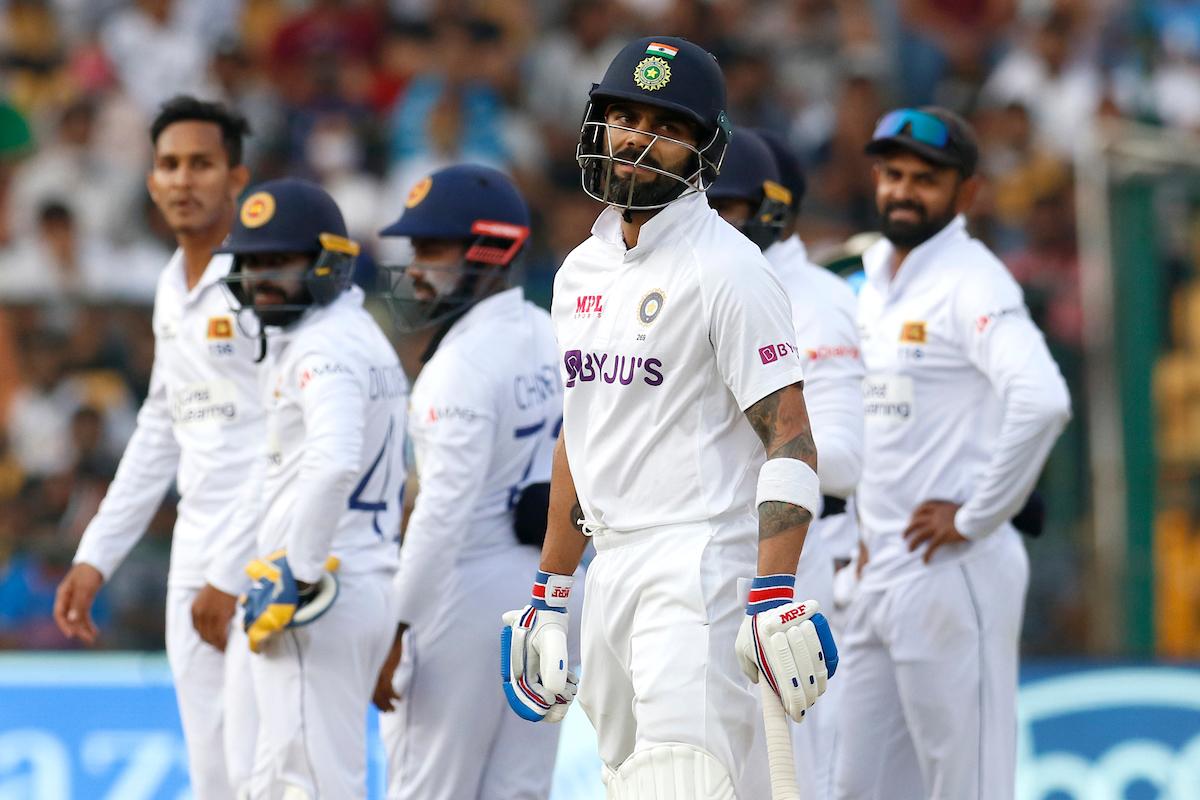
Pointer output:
x,y
963,403
680,365
486,410
202,406
326,503
751,196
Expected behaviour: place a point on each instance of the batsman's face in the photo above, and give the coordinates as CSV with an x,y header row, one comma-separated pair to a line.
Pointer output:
x,y
916,198
191,180
637,124
275,279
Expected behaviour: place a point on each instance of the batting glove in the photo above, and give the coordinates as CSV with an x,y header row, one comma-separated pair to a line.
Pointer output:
x,y
275,602
787,643
533,653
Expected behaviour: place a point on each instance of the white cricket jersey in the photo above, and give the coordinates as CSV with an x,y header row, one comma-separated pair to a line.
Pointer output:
x,y
963,401
334,459
664,345
484,418
202,408
824,311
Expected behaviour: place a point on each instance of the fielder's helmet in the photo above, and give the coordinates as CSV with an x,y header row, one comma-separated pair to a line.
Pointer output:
x,y
291,216
750,174
791,171
476,205
669,73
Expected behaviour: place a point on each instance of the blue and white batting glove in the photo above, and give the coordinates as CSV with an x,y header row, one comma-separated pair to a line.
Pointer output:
x,y
533,652
787,643
275,602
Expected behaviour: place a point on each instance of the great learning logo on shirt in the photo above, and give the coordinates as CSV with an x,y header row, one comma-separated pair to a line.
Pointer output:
x,y
611,368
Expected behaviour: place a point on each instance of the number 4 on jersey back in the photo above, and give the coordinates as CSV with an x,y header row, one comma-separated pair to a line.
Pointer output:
x,y
376,507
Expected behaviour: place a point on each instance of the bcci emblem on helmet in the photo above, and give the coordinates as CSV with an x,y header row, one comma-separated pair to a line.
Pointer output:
x,y
652,73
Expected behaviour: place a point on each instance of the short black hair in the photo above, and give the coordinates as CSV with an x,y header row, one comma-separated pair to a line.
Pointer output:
x,y
185,108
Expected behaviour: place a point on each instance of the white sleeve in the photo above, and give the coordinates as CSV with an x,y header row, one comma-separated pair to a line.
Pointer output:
x,y
833,376
234,547
147,468
452,452
1001,340
751,330
333,406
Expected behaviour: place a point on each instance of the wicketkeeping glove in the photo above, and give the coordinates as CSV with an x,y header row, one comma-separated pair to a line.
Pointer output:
x,y
275,602
533,653
786,642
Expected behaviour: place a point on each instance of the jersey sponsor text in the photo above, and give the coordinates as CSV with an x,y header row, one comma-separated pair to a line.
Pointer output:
x,y
611,368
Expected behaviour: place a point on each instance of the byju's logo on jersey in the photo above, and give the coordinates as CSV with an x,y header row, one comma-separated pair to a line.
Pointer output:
x,y
773,352
588,306
611,368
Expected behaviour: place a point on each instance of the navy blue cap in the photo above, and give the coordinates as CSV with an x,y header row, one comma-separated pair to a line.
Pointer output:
x,y
284,216
791,172
748,163
667,72
451,202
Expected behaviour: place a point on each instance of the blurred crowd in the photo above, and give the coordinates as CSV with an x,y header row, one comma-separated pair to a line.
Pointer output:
x,y
367,97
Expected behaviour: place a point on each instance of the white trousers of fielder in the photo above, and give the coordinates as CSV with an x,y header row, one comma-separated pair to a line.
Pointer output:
x,y
929,703
815,739
661,613
452,735
215,699
313,685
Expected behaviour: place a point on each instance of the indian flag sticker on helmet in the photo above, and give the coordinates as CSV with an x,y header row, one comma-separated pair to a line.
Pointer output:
x,y
652,73
258,209
659,49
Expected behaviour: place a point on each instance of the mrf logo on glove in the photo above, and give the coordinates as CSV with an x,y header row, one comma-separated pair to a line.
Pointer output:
x,y
788,644
275,602
533,652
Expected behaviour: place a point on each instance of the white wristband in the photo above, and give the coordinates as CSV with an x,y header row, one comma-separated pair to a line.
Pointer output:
x,y
789,480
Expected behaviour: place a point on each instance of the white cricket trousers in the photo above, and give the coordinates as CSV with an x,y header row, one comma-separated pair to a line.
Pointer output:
x,y
815,738
215,698
930,697
313,685
660,616
452,735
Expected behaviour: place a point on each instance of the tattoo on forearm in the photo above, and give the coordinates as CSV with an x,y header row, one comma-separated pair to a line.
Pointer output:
x,y
781,422
762,416
775,518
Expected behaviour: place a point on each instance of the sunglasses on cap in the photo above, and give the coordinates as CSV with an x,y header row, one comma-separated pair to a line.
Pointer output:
x,y
923,127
